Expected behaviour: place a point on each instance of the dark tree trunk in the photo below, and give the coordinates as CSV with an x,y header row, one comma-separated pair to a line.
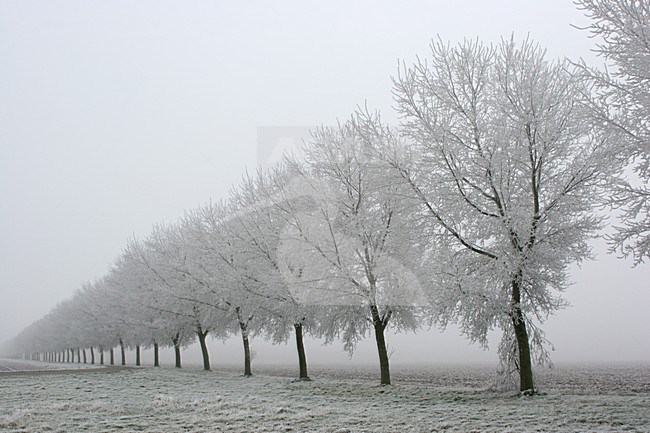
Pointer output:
x,y
85,357
137,356
123,352
78,356
156,357
92,355
177,350
177,356
302,358
247,350
112,356
380,326
204,348
526,382
101,355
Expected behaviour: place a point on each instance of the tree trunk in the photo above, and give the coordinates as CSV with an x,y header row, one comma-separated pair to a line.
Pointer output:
x,y
156,357
380,326
247,350
526,383
78,356
101,355
112,356
204,348
85,357
302,358
123,352
177,350
137,355
92,355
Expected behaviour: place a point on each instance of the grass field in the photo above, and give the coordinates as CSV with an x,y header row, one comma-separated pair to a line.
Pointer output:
x,y
423,399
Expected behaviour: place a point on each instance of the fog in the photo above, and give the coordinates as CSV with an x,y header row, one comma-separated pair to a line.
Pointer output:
x,y
117,115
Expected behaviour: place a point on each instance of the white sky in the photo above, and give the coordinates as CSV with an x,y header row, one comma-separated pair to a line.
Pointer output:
x,y
116,115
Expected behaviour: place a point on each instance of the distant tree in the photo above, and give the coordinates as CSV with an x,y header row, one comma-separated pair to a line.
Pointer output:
x,y
169,260
620,100
506,165
148,309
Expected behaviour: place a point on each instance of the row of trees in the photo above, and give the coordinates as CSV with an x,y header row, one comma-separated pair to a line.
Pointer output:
x,y
470,212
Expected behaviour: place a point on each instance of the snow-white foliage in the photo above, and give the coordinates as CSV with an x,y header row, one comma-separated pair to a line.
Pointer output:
x,y
620,102
347,246
504,161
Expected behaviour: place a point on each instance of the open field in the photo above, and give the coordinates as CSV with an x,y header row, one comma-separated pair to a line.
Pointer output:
x,y
424,399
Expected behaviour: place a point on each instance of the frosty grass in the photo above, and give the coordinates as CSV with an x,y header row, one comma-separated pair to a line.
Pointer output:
x,y
426,399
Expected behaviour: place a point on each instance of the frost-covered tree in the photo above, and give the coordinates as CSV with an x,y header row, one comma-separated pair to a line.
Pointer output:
x,y
620,101
148,307
259,217
507,166
347,248
222,264
168,260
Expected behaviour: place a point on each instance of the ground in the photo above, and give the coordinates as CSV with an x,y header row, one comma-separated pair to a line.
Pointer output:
x,y
424,399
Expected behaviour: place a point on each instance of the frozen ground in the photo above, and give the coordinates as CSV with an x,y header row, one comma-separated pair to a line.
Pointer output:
x,y
424,399
20,366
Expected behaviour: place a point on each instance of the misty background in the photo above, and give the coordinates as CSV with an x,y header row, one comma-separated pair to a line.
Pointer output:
x,y
118,115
